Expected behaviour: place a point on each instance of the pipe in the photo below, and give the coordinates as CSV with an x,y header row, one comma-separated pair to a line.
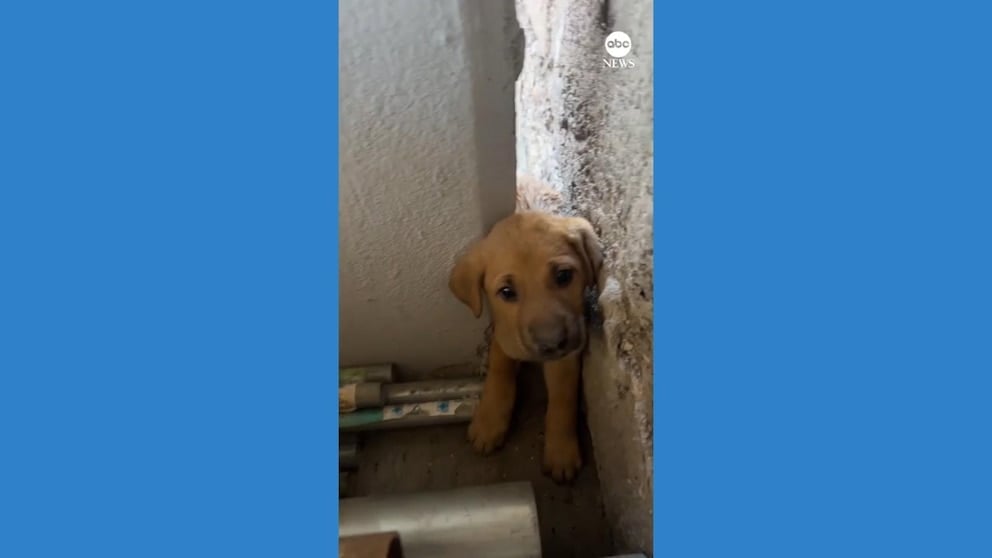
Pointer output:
x,y
430,413
432,390
352,397
381,373
495,521
348,453
375,545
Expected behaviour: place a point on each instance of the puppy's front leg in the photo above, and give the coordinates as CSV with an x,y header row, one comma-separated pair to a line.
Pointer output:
x,y
561,438
492,418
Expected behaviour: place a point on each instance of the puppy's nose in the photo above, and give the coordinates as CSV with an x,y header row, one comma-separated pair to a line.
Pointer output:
x,y
549,338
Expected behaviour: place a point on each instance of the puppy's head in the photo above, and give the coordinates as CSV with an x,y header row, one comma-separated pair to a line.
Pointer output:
x,y
532,269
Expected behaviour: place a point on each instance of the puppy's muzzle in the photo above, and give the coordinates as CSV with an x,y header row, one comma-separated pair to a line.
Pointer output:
x,y
554,339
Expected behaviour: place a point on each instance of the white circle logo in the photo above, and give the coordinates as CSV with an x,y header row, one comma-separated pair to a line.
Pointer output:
x,y
618,44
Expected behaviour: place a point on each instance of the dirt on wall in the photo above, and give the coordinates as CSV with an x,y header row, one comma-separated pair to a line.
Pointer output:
x,y
586,128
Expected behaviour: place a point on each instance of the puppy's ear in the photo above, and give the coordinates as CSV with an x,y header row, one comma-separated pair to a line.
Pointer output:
x,y
586,243
465,280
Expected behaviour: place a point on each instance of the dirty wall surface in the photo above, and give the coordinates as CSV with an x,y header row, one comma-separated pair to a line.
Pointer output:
x,y
586,129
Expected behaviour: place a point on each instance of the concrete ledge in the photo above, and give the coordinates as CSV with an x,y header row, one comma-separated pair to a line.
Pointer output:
x,y
623,456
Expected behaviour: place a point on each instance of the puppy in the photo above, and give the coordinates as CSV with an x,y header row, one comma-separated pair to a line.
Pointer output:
x,y
532,269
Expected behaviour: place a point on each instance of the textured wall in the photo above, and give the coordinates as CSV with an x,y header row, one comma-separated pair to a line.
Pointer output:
x,y
427,164
587,130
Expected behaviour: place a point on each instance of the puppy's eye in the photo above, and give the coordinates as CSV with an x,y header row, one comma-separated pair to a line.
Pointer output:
x,y
563,277
507,294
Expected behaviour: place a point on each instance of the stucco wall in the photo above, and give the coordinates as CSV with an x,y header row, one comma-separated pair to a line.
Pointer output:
x,y
427,164
587,129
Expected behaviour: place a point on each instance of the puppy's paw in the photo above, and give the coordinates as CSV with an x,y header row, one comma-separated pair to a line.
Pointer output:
x,y
562,459
487,431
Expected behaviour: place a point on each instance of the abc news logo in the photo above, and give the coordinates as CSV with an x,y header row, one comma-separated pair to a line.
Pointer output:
x,y
618,46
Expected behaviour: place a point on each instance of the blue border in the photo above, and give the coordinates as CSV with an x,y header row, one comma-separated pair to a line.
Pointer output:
x,y
823,216
168,314
168,224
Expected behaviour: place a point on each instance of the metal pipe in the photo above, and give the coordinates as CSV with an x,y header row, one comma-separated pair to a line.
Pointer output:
x,y
495,521
352,397
391,417
432,390
381,373
348,453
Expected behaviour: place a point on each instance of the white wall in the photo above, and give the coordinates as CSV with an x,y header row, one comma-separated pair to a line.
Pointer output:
x,y
427,165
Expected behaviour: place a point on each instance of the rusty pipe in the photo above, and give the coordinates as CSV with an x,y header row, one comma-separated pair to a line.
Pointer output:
x,y
431,390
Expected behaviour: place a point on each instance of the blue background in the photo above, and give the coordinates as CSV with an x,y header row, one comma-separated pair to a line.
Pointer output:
x,y
822,279
168,316
168,221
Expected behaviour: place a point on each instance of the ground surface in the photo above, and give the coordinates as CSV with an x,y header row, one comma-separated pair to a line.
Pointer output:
x,y
572,520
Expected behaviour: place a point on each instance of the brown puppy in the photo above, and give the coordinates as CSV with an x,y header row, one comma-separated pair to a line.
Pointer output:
x,y
532,269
